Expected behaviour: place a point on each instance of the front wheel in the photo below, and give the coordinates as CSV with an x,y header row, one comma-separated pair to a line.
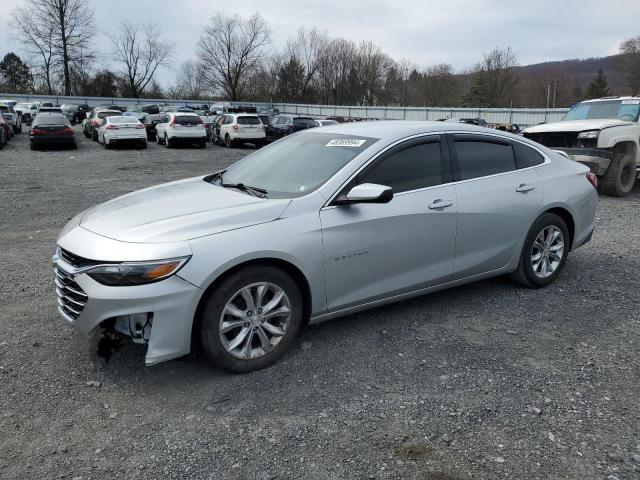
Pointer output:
x,y
620,177
251,319
544,252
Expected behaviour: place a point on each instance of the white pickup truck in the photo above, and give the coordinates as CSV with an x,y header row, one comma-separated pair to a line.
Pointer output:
x,y
603,134
10,115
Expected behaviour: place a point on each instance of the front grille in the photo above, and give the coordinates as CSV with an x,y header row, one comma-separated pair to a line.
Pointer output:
x,y
71,297
554,139
74,260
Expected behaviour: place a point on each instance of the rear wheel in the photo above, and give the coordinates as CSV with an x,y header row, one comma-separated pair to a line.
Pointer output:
x,y
620,177
167,141
227,141
544,252
251,319
94,135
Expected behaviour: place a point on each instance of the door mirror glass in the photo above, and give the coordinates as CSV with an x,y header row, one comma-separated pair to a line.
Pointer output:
x,y
369,193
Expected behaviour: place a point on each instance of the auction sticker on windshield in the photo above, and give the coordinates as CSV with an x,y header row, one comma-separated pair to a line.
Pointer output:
x,y
346,142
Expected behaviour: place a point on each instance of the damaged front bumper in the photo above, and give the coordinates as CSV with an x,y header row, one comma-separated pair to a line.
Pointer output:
x,y
597,159
158,314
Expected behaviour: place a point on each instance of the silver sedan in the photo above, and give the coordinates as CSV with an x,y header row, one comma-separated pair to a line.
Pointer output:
x,y
320,224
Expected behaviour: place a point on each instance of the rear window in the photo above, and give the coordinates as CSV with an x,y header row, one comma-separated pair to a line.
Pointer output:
x,y
249,121
123,120
307,122
50,120
108,114
186,120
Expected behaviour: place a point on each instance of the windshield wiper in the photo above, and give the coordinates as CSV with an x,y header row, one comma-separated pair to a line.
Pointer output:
x,y
215,176
255,191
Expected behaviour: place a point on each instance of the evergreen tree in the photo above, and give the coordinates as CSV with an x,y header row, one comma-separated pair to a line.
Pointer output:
x,y
599,87
14,74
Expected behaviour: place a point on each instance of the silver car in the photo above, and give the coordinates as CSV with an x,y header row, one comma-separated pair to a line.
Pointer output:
x,y
320,224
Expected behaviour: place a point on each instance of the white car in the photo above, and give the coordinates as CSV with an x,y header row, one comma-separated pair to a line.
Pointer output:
x,y
238,128
11,116
28,111
122,130
181,127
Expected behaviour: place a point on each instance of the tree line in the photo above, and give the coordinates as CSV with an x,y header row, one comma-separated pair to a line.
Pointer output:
x,y
236,60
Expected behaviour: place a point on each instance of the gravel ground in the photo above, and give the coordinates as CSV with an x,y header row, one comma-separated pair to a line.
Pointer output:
x,y
488,380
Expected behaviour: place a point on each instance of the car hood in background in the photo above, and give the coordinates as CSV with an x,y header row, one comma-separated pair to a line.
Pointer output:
x,y
179,211
576,125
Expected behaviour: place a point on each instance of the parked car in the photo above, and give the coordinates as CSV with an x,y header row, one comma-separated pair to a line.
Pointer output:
x,y
91,124
51,129
338,119
6,127
4,135
602,134
11,116
152,111
268,111
323,122
75,113
27,111
237,129
181,127
318,225
122,130
47,109
282,125
481,122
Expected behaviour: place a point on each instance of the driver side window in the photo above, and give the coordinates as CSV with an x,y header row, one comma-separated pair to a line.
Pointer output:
x,y
411,168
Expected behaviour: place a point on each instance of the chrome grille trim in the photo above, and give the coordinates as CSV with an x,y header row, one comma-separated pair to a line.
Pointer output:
x,y
71,297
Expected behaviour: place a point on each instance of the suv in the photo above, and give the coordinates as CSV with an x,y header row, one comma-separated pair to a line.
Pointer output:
x,y
181,127
604,135
27,111
282,125
91,124
240,128
11,116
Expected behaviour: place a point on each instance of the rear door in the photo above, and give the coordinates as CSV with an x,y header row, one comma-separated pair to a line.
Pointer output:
x,y
497,202
374,251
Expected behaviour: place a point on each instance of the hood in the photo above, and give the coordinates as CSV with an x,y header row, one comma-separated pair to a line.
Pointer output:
x,y
576,125
179,211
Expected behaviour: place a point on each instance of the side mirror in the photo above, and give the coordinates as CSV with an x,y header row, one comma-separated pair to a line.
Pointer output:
x,y
368,193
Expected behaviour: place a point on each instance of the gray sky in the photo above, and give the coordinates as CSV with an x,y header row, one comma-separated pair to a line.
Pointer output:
x,y
424,32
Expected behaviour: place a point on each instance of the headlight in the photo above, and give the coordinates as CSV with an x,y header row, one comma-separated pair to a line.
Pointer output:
x,y
589,134
136,273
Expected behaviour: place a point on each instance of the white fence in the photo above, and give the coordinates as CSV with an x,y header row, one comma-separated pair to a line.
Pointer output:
x,y
520,116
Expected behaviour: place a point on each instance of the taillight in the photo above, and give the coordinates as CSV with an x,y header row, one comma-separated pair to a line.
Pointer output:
x,y
67,131
172,123
593,180
35,131
95,123
140,126
111,127
235,127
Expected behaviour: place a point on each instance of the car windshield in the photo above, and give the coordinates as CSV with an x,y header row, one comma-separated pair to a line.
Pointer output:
x,y
297,164
614,109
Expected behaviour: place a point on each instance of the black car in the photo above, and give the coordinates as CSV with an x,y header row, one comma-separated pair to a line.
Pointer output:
x,y
51,129
282,125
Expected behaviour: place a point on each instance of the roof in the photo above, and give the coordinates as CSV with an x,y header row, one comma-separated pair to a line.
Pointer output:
x,y
396,129
605,99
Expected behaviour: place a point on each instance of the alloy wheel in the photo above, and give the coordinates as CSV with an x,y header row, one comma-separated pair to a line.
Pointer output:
x,y
254,320
547,251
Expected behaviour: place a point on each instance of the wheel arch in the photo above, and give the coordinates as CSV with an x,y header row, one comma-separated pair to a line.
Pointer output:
x,y
286,266
567,216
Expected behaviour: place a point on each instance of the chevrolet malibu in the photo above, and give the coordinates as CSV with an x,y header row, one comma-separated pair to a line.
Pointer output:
x,y
320,224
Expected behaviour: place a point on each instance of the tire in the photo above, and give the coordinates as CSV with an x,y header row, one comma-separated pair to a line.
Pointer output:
x,y
620,177
213,345
527,274
106,146
158,141
94,135
20,128
227,141
203,144
86,134
143,146
167,142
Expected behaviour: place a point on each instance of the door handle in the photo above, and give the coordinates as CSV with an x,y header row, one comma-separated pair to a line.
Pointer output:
x,y
524,188
438,204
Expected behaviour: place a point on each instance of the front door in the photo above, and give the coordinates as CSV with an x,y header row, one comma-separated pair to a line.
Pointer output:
x,y
375,251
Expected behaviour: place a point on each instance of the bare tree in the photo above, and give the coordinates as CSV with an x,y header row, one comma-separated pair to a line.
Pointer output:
x,y
190,81
231,49
630,53
494,79
438,85
55,32
371,70
140,51
305,49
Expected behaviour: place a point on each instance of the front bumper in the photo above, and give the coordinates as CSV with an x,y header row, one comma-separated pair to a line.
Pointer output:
x,y
169,305
597,159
